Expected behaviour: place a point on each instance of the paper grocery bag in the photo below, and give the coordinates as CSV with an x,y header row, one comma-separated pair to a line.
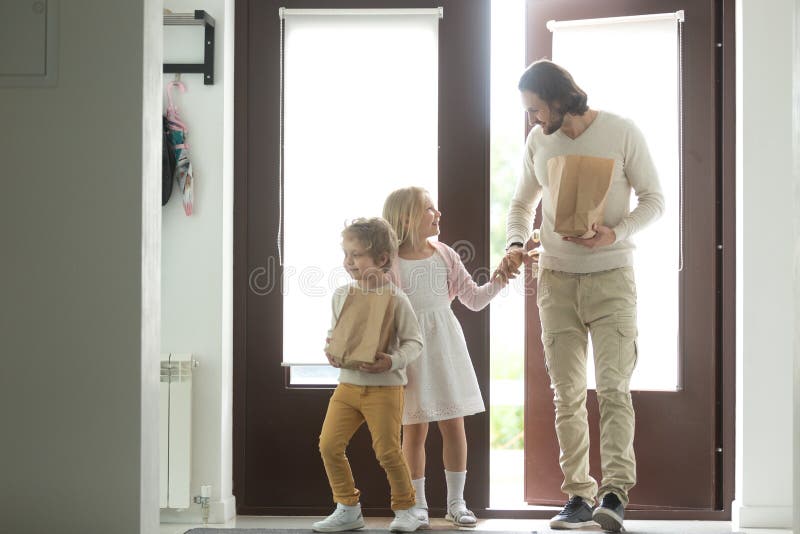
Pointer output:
x,y
579,186
365,326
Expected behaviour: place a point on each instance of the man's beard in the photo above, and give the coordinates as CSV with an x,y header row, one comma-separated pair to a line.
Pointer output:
x,y
555,122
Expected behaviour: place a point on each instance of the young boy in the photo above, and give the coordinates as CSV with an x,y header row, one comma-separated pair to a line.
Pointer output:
x,y
372,392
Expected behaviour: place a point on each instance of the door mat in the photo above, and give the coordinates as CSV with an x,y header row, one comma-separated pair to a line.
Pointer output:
x,y
360,531
640,528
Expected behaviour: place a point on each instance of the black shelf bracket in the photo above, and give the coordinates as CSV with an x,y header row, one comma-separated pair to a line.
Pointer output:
x,y
199,18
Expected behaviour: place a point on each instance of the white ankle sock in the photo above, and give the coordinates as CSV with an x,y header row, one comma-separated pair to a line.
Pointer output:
x,y
419,489
353,508
455,485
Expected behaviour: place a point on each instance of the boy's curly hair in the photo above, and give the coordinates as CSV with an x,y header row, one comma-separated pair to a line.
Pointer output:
x,y
376,236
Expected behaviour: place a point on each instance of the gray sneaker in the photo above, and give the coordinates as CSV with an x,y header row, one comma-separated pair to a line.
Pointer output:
x,y
575,514
340,520
610,513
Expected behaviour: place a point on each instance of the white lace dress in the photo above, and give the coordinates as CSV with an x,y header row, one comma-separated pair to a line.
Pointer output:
x,y
441,382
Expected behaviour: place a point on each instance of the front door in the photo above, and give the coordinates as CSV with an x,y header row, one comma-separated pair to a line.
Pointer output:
x,y
276,425
679,433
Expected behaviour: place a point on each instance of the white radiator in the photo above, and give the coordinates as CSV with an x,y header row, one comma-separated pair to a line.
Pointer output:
x,y
175,432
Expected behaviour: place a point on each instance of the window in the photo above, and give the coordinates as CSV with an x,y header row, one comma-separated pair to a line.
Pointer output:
x,y
360,95
611,58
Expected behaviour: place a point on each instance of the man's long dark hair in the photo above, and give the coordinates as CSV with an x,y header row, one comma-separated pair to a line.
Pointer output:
x,y
553,84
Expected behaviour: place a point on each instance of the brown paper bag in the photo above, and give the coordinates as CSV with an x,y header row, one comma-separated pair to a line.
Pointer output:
x,y
365,326
579,186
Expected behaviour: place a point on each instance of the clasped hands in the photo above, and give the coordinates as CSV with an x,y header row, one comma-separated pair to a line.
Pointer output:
x,y
512,261
516,256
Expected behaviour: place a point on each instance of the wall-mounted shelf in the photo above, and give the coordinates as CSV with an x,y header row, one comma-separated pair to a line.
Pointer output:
x,y
199,18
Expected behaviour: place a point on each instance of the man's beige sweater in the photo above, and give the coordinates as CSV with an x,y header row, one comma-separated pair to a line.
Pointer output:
x,y
608,136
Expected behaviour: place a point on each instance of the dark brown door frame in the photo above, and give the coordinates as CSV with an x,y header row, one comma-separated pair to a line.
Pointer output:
x,y
726,257
277,469
722,267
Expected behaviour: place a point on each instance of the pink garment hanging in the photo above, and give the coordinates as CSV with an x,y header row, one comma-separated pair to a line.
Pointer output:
x,y
183,166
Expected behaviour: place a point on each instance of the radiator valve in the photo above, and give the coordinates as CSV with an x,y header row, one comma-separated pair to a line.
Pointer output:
x,y
204,500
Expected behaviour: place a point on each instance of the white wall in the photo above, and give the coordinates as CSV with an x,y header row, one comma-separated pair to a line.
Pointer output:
x,y
796,249
151,264
197,255
80,256
765,281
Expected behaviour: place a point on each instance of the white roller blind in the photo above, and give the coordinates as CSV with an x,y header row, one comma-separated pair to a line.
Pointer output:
x,y
360,93
631,66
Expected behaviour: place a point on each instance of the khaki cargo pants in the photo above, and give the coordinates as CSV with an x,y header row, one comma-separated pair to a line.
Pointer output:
x,y
602,305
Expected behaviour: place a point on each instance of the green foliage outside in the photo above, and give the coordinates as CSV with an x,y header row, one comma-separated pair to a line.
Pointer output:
x,y
507,423
505,158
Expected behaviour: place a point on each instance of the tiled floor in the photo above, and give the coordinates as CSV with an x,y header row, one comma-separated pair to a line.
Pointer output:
x,y
520,525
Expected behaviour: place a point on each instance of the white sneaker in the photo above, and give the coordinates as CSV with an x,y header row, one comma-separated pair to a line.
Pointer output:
x,y
421,514
459,514
405,521
340,520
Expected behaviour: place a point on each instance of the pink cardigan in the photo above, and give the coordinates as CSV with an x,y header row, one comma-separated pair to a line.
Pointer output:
x,y
459,282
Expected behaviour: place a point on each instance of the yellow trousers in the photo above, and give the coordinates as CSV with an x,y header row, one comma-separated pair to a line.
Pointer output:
x,y
381,407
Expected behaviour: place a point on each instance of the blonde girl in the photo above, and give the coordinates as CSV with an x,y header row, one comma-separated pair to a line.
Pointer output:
x,y
442,385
